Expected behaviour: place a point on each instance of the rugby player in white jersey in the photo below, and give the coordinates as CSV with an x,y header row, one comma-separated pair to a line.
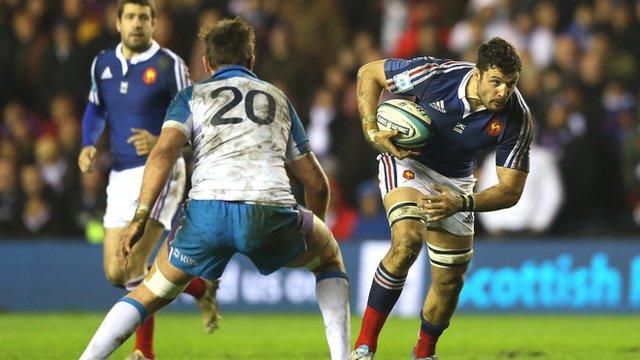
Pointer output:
x,y
244,132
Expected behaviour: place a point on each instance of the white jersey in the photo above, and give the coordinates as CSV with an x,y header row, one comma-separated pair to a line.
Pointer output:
x,y
243,131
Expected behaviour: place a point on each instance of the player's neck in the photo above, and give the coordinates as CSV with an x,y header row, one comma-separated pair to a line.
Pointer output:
x,y
129,53
471,93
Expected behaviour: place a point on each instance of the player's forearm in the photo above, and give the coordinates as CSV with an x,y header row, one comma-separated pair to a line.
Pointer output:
x,y
368,90
316,198
156,175
494,198
92,125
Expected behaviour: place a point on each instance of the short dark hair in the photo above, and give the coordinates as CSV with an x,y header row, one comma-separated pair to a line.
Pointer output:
x,y
228,41
149,3
500,54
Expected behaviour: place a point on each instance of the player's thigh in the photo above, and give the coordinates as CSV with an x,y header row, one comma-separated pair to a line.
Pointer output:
x,y
152,233
171,272
110,248
407,226
139,258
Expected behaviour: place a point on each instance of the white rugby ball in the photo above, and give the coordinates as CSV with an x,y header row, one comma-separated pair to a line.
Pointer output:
x,y
414,126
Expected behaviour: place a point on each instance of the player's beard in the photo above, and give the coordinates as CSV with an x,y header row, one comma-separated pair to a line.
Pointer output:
x,y
494,106
137,46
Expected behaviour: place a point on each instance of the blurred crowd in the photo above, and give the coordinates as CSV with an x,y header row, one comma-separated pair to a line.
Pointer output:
x,y
580,79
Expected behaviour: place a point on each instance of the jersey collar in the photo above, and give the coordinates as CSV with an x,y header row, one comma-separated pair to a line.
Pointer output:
x,y
232,71
462,95
138,58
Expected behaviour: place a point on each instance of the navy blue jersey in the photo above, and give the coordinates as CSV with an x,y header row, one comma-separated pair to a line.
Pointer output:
x,y
132,93
439,87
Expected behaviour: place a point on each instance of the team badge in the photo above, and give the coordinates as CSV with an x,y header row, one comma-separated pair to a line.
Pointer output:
x,y
150,75
408,174
124,87
494,128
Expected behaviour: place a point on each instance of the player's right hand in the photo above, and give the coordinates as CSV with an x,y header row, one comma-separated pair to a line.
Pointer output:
x,y
87,158
381,140
130,236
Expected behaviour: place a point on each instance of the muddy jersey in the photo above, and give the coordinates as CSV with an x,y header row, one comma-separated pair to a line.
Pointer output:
x,y
243,131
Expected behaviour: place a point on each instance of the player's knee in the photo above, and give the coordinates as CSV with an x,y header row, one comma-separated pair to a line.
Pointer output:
x,y
329,259
402,256
406,246
162,287
448,286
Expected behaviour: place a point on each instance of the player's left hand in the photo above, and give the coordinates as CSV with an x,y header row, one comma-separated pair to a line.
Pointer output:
x,y
440,205
142,140
130,236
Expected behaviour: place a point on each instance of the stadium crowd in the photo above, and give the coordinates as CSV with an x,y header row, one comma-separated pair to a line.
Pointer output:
x,y
580,79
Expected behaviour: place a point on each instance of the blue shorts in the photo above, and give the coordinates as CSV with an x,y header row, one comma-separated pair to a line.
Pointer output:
x,y
210,232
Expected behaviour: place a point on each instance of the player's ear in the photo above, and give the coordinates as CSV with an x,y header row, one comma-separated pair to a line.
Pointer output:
x,y
251,62
118,24
207,67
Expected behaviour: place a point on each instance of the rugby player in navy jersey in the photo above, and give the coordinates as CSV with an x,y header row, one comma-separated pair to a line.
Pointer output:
x,y
473,107
132,86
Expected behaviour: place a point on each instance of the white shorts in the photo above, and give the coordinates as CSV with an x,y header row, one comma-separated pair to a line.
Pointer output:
x,y
123,191
393,173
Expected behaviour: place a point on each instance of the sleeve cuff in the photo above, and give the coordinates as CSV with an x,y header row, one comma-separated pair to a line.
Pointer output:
x,y
179,126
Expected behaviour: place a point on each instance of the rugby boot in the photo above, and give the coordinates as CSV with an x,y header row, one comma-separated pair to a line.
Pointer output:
x,y
362,353
137,355
413,356
209,306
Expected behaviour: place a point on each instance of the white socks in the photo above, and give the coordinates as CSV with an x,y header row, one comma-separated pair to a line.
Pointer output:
x,y
121,321
332,291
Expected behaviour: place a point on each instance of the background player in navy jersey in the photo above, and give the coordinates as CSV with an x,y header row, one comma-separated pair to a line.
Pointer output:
x,y
473,107
244,132
132,86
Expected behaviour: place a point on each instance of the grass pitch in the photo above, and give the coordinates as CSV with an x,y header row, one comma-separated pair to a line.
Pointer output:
x,y
284,337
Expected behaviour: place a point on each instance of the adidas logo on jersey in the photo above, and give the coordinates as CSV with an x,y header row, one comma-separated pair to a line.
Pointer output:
x,y
438,105
106,74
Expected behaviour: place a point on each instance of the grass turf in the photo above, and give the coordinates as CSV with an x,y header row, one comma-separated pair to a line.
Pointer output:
x,y
284,337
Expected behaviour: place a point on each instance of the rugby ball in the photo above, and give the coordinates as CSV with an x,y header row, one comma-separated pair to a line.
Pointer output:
x,y
412,122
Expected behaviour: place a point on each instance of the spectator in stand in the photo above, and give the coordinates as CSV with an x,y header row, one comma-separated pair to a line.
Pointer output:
x,y
539,204
208,16
29,48
9,198
88,207
18,129
321,116
341,218
63,59
51,164
39,216
372,220
565,135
